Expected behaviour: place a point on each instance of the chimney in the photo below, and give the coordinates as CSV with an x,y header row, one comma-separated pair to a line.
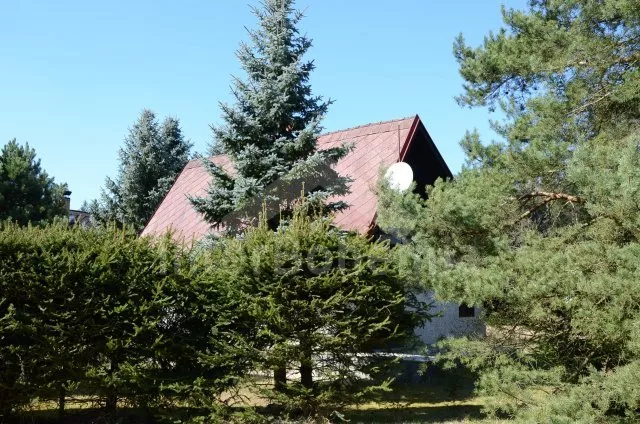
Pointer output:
x,y
67,201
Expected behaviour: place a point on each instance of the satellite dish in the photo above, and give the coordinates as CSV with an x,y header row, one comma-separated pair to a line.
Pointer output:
x,y
400,176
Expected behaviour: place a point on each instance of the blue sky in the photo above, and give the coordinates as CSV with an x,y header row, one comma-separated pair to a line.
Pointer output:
x,y
74,75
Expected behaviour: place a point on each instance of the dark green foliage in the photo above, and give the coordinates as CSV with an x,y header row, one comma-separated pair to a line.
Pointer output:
x,y
128,320
542,229
151,159
27,193
323,302
270,133
103,312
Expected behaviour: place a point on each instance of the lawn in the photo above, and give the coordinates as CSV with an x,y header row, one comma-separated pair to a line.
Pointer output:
x,y
420,404
407,404
440,397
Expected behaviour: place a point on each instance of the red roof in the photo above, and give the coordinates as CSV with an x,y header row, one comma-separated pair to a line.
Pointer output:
x,y
375,146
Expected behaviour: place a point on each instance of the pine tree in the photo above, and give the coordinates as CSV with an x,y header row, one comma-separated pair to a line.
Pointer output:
x,y
542,228
27,193
151,159
270,133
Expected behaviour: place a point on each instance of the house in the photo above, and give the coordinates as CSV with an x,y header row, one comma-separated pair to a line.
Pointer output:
x,y
376,146
76,217
81,218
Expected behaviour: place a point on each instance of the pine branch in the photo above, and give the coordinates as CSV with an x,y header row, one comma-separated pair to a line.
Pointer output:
x,y
548,197
590,103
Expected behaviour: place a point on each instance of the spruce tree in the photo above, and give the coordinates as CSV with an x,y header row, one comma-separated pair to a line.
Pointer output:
x,y
324,303
270,133
151,159
27,192
542,228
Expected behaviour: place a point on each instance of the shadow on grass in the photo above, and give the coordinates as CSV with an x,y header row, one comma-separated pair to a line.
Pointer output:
x,y
432,395
425,394
82,416
432,414
435,396
378,414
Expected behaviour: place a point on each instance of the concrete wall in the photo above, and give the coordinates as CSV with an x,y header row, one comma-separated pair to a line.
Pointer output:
x,y
449,324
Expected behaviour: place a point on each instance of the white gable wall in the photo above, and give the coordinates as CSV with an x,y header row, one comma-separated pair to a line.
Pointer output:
x,y
449,323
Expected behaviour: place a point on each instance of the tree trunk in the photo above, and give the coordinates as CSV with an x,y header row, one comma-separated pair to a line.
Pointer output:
x,y
306,376
111,403
62,393
280,378
306,369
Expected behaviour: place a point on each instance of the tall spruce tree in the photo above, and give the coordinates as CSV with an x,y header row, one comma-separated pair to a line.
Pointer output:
x,y
151,159
543,228
27,192
270,133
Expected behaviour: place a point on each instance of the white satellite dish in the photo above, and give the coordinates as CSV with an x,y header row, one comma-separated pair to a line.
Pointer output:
x,y
400,176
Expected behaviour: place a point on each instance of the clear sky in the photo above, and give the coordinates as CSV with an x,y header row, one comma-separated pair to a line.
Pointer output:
x,y
75,74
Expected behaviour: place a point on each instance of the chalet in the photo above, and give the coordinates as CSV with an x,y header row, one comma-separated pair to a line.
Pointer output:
x,y
376,146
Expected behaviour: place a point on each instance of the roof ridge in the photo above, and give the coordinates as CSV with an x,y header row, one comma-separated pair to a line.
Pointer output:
x,y
198,159
368,125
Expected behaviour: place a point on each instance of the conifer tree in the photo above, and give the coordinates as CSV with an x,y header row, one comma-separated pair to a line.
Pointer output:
x,y
324,302
270,133
27,193
151,159
104,312
542,228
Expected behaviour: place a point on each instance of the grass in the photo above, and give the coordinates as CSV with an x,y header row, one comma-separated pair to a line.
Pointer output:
x,y
443,413
406,404
419,404
442,398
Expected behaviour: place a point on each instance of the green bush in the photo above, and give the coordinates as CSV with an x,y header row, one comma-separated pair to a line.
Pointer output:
x,y
147,323
108,313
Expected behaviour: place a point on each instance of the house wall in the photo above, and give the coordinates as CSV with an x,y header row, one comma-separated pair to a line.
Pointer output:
x,y
448,323
428,165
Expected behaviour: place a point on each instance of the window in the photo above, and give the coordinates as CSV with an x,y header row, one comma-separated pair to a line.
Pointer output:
x,y
465,311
